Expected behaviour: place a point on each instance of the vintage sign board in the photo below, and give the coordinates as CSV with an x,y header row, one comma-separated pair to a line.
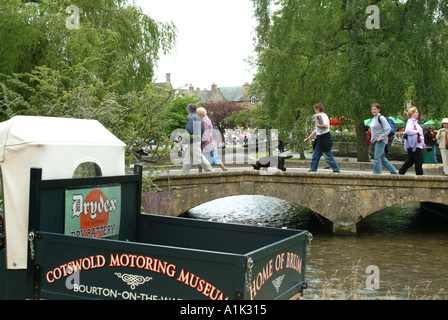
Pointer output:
x,y
151,257
110,269
93,212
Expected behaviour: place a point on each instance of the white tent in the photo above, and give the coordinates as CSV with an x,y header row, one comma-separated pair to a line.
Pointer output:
x,y
58,146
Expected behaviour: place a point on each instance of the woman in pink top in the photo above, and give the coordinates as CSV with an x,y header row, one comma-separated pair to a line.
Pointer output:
x,y
209,144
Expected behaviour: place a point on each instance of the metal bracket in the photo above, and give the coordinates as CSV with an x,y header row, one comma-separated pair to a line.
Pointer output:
x,y
36,281
248,275
31,240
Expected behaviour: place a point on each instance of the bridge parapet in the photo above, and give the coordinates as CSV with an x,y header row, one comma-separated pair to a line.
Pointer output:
x,y
343,198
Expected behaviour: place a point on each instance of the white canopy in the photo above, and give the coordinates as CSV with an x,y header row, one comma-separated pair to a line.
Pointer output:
x,y
58,146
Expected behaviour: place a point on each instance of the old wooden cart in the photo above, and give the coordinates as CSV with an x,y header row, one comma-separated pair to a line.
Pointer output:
x,y
85,238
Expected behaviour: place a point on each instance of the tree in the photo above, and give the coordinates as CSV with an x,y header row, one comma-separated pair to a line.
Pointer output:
x,y
323,51
102,69
176,114
429,61
115,41
131,116
220,114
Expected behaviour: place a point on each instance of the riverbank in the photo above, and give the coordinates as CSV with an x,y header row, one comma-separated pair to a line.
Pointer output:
x,y
406,243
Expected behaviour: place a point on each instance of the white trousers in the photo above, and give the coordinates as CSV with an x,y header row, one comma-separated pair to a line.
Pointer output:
x,y
194,155
444,153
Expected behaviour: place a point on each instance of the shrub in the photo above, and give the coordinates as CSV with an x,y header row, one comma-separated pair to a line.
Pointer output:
x,y
157,202
343,136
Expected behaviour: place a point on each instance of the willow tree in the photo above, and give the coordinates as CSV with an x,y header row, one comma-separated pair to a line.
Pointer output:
x,y
347,54
90,59
112,39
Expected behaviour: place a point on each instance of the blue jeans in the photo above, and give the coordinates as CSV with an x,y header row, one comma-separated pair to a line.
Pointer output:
x,y
317,154
380,159
434,154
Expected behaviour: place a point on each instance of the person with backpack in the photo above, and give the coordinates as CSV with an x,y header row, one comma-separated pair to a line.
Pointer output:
x,y
380,130
414,144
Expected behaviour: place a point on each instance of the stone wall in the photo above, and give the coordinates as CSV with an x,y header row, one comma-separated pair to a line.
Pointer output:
x,y
348,149
344,199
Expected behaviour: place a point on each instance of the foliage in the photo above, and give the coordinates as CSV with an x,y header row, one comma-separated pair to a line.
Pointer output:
x,y
220,114
130,116
176,114
323,51
102,71
115,41
253,118
158,202
343,136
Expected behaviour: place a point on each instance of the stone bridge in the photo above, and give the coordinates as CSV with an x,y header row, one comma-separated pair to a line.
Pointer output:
x,y
344,199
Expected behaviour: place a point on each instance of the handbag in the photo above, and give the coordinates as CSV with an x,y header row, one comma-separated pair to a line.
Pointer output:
x,y
419,140
446,139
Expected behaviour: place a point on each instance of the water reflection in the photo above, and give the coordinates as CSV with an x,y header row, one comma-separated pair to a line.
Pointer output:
x,y
407,244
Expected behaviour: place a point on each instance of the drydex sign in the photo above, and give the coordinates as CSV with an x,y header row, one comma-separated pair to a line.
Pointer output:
x,y
93,213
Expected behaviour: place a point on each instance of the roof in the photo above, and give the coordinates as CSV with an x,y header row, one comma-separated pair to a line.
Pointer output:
x,y
235,93
21,130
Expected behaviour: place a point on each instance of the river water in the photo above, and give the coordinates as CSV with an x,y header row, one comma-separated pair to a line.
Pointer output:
x,y
409,247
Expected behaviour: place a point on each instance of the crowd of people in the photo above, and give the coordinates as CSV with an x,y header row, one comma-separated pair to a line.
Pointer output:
x,y
413,138
379,135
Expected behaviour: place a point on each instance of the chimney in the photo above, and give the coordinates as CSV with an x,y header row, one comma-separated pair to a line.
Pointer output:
x,y
246,91
214,86
191,90
168,81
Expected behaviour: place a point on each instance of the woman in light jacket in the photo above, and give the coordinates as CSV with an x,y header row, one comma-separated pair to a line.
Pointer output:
x,y
443,145
414,144
209,144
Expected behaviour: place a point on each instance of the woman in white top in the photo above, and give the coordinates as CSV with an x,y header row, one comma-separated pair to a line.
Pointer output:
x,y
323,143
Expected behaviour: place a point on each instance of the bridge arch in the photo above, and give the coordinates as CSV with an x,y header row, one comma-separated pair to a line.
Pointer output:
x,y
253,209
344,199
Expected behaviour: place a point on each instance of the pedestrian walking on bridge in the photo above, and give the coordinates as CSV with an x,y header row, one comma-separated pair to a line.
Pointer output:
x,y
323,142
380,129
414,144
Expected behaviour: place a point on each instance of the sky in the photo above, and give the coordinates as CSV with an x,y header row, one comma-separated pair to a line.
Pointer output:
x,y
214,37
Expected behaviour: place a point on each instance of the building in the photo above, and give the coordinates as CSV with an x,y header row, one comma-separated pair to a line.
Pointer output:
x,y
238,94
167,84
